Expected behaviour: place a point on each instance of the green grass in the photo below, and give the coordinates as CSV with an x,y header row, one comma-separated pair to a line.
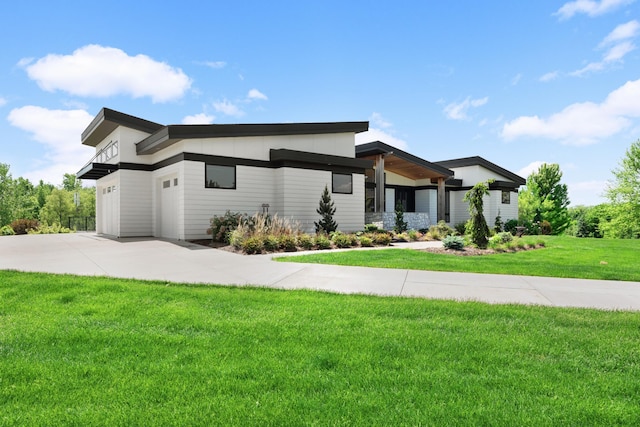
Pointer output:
x,y
562,257
97,351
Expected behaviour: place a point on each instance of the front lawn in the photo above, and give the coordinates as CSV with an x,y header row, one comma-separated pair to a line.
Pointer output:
x,y
562,257
97,351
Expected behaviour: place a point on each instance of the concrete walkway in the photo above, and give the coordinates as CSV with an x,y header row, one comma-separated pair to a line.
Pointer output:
x,y
173,261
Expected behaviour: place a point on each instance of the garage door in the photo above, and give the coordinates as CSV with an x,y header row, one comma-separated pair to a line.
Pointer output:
x,y
109,210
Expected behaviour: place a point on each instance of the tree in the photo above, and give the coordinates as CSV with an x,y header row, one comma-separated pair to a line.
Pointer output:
x,y
58,208
401,225
624,194
71,183
477,226
326,210
545,199
6,184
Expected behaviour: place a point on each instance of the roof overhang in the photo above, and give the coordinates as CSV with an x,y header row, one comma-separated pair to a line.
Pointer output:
x,y
479,161
96,170
107,120
171,134
401,162
284,157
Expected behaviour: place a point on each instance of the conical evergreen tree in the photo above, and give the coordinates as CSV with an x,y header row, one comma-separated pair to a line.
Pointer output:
x,y
326,210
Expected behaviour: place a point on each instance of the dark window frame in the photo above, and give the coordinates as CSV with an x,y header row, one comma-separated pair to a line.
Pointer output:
x,y
506,197
333,183
206,180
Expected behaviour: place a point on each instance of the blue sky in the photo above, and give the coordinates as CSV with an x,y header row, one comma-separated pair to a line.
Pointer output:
x,y
516,82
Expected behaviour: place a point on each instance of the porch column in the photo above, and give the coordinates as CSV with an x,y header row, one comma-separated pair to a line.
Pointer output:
x,y
441,200
379,183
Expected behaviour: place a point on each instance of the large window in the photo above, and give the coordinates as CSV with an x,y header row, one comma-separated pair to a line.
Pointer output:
x,y
217,176
342,183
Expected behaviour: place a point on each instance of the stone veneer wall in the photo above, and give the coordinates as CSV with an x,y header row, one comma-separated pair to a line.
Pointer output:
x,y
387,220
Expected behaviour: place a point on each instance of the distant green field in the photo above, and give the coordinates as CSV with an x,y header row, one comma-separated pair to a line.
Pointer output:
x,y
97,351
562,257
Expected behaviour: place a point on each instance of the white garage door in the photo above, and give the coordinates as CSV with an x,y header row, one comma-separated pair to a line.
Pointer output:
x,y
168,207
109,211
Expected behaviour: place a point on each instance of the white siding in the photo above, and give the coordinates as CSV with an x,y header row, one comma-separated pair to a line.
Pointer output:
x,y
389,200
471,175
136,214
427,201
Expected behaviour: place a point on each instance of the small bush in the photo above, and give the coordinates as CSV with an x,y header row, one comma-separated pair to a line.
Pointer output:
x,y
402,237
271,243
287,242
322,241
545,227
23,226
7,231
461,228
366,241
305,241
510,226
222,226
371,228
504,237
341,240
50,229
453,242
382,239
252,245
413,235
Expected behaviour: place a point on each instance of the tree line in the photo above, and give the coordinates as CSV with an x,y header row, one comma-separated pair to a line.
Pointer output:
x,y
544,203
43,204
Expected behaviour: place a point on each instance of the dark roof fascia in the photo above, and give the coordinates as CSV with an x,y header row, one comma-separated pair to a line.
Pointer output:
x,y
479,161
96,170
171,134
284,157
379,147
107,120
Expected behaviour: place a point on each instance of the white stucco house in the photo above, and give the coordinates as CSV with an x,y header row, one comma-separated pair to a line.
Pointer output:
x,y
170,180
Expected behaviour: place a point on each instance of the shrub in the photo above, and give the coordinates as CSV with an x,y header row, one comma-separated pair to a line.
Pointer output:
x,y
413,235
305,241
402,237
477,227
453,242
366,241
511,225
326,209
371,228
287,242
382,239
252,245
461,228
341,240
503,237
322,241
545,227
441,230
271,243
23,226
498,225
50,229
236,238
7,231
401,224
222,226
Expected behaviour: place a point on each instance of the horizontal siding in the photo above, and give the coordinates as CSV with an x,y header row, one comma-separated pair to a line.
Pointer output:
x,y
136,214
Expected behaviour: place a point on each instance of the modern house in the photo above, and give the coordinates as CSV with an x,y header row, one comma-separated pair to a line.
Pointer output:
x,y
170,180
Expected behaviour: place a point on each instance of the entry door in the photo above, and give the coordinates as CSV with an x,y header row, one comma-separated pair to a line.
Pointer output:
x,y
109,210
168,207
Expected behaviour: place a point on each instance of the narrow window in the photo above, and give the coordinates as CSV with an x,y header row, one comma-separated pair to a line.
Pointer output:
x,y
342,183
506,197
175,182
166,184
217,176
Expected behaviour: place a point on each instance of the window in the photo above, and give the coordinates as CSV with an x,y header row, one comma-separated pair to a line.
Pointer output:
x,y
342,183
217,176
506,197
166,184
175,182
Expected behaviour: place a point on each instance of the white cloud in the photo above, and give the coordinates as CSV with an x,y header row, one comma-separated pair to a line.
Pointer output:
x,y
97,71
582,123
374,134
587,193
59,132
530,168
591,8
215,64
458,111
3,102
516,79
228,108
198,119
256,94
378,121
549,76
618,44
621,32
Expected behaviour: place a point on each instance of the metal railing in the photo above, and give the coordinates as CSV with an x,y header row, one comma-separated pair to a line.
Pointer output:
x,y
82,223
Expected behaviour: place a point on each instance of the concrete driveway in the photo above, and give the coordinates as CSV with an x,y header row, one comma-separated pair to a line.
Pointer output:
x,y
175,261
